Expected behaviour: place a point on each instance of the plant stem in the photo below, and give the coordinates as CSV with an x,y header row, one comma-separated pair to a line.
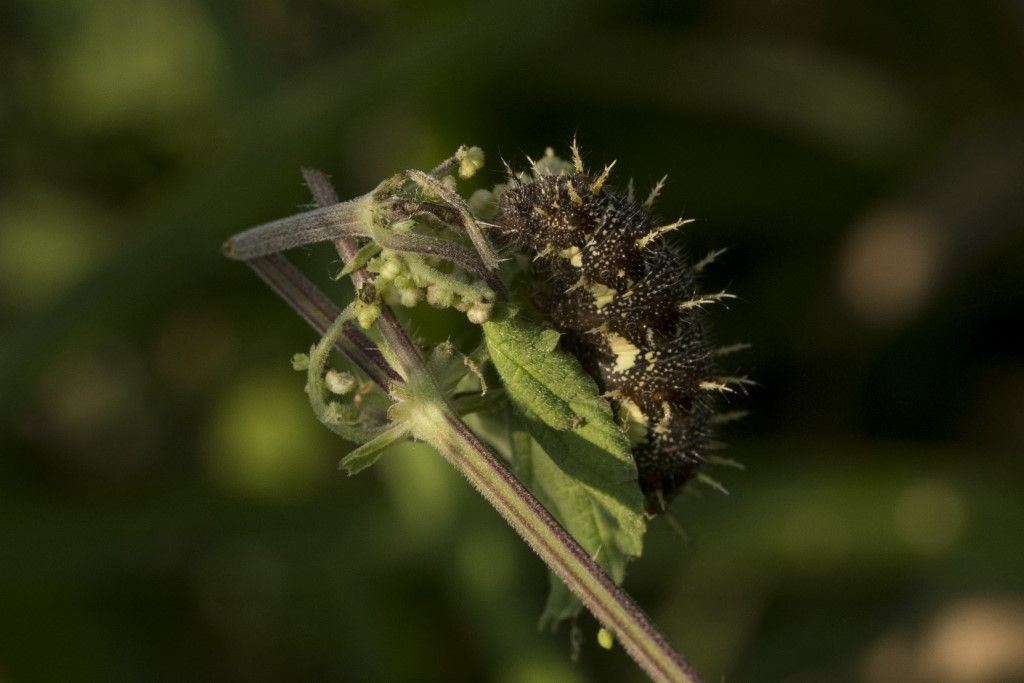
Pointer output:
x,y
408,354
315,308
609,604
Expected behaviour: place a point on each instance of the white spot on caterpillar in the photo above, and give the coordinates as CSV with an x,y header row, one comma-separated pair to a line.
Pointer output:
x,y
573,256
548,249
625,352
666,419
633,421
579,283
633,412
602,295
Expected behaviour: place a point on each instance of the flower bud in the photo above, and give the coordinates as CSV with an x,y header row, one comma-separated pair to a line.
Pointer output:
x,y
471,162
483,203
390,269
479,313
439,296
410,297
339,383
367,315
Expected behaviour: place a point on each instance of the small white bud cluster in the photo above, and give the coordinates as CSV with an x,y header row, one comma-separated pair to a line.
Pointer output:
x,y
439,285
339,383
335,383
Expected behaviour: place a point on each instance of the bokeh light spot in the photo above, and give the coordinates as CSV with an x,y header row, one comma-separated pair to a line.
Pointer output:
x,y
422,487
974,641
264,439
49,242
124,62
890,265
542,670
488,561
193,347
930,515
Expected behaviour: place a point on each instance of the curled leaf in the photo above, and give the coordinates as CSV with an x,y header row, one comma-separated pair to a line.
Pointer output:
x,y
358,459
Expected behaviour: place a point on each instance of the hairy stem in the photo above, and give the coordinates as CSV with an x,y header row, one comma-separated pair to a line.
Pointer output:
x,y
407,353
609,604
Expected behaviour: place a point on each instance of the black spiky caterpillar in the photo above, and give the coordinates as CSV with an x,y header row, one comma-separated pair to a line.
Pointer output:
x,y
628,307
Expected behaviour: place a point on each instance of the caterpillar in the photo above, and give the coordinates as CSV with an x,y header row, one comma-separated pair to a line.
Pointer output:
x,y
627,305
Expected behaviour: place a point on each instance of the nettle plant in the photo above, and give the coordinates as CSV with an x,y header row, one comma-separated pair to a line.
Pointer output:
x,y
593,396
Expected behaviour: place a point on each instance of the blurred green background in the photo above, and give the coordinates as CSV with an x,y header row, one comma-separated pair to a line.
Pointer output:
x,y
169,507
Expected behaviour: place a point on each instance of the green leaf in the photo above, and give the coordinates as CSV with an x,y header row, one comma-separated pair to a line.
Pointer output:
x,y
523,358
369,453
362,257
578,461
564,411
